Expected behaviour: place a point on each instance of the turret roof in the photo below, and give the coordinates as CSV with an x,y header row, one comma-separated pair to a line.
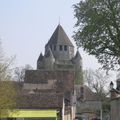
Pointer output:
x,y
40,57
78,55
59,37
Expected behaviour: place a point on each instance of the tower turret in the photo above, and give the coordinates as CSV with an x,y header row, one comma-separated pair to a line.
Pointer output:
x,y
77,61
40,61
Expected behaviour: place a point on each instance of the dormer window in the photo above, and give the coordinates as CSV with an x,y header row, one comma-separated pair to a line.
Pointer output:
x,y
65,47
60,47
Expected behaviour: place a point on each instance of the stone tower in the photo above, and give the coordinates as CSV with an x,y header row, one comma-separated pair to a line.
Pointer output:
x,y
53,84
59,55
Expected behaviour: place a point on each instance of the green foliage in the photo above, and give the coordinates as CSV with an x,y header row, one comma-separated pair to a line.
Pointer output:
x,y
98,30
7,89
7,97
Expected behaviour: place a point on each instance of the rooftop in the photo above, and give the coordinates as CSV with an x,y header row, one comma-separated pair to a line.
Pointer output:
x,y
59,37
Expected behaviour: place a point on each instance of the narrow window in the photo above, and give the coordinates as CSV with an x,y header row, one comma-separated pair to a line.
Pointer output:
x,y
54,47
60,47
65,48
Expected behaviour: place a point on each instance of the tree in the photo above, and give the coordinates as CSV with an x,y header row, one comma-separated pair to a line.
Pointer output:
x,y
19,72
7,88
97,81
5,64
98,30
7,97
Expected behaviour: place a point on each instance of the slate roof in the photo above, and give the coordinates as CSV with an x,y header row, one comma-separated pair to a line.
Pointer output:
x,y
87,93
77,55
59,37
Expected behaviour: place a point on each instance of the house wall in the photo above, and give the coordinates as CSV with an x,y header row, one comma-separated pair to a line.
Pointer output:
x,y
115,109
88,106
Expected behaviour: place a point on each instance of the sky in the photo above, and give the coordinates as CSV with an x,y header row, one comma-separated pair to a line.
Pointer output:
x,y
27,25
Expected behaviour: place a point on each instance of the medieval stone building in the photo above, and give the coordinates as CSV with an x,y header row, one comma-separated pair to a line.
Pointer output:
x,y
52,84
88,104
59,55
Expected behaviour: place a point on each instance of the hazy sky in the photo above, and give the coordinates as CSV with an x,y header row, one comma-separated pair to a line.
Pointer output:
x,y
27,25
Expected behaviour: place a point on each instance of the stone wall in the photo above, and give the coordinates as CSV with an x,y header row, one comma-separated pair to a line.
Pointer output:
x,y
62,81
49,85
62,54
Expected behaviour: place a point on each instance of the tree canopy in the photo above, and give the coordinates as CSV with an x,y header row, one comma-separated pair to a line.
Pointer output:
x,y
97,81
98,30
19,72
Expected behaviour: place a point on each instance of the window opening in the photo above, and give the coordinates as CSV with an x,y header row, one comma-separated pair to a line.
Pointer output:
x,y
60,47
65,48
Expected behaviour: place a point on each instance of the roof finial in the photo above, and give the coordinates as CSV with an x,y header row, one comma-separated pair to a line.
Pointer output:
x,y
59,20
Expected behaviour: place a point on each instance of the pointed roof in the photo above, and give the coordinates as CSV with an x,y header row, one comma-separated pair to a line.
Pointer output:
x,y
59,37
78,55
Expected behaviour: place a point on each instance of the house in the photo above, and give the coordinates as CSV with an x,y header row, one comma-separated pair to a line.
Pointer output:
x,y
88,104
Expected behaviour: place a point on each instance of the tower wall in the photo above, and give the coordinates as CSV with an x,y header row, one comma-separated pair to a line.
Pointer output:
x,y
61,52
